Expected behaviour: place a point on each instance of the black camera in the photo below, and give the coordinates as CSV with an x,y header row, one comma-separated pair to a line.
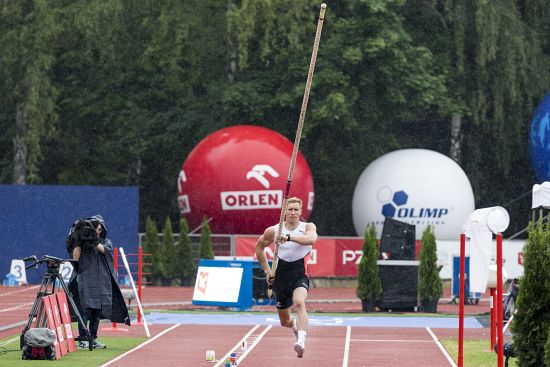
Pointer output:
x,y
83,234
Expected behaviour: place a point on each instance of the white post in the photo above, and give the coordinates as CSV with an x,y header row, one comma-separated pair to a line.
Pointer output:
x,y
135,292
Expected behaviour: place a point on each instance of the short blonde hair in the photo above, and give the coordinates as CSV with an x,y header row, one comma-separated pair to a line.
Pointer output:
x,y
294,199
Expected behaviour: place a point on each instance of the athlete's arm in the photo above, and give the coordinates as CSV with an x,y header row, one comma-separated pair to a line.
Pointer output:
x,y
308,239
264,241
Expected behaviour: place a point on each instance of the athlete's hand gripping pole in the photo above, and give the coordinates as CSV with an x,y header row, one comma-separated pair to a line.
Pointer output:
x,y
297,142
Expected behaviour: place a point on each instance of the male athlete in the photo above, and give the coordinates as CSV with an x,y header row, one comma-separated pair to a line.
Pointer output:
x,y
291,281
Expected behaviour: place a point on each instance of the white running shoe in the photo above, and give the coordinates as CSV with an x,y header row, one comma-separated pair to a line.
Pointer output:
x,y
295,330
299,349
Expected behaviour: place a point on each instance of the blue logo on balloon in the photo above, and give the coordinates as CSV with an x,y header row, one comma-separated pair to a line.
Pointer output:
x,y
396,208
539,140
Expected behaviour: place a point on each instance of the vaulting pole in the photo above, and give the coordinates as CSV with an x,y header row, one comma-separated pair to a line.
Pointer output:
x,y
297,141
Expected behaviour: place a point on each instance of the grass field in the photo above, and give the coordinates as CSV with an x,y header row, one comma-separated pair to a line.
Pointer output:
x,y
10,355
476,353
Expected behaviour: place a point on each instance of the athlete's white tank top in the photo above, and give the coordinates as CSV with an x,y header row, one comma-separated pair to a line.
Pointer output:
x,y
290,250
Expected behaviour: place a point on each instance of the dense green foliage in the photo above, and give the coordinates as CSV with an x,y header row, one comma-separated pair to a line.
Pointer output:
x,y
430,285
118,93
186,266
532,320
369,285
151,247
168,253
207,250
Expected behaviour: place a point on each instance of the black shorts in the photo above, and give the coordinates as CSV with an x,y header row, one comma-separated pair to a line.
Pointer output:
x,y
289,276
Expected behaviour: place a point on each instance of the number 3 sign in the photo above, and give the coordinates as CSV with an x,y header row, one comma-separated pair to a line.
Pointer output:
x,y
18,271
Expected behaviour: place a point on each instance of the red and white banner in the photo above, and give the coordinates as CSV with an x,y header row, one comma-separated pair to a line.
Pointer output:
x,y
58,325
51,323
340,256
66,319
329,257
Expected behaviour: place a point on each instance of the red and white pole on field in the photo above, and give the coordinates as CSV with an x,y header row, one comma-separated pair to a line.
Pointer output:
x,y
140,281
493,303
486,222
500,334
140,273
123,256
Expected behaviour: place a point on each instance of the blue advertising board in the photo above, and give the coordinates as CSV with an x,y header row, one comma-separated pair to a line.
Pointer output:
x,y
228,283
35,219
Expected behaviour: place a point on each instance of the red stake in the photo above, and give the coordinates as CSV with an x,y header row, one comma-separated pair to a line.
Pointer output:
x,y
500,337
461,301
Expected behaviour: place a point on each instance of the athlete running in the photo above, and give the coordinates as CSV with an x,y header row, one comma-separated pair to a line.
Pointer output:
x,y
291,282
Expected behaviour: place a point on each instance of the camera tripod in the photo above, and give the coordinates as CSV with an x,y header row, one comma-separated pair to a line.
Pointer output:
x,y
47,287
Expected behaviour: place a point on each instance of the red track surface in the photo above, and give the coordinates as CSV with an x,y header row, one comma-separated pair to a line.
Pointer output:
x,y
326,346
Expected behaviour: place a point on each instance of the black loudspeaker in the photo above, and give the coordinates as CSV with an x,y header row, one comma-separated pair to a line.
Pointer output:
x,y
398,241
399,285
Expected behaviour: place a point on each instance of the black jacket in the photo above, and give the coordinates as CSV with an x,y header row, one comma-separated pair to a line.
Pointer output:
x,y
93,285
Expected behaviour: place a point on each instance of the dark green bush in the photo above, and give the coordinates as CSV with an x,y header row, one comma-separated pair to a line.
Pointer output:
x,y
532,319
369,285
430,285
151,245
207,251
186,265
168,251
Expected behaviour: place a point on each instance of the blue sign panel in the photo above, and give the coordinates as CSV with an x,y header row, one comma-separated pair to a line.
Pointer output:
x,y
35,219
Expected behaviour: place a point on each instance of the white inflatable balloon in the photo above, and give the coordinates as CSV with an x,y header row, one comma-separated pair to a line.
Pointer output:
x,y
416,186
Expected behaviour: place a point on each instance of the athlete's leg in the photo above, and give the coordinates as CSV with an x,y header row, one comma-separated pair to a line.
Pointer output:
x,y
299,297
285,318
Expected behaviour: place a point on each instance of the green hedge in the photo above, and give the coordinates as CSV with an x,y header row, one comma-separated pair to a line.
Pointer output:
x,y
532,320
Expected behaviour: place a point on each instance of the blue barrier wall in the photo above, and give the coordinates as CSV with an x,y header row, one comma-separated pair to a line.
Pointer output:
x,y
35,219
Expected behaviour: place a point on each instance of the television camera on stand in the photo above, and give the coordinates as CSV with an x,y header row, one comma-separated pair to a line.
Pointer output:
x,y
47,288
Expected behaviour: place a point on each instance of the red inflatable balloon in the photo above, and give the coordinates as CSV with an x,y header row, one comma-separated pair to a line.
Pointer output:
x,y
237,176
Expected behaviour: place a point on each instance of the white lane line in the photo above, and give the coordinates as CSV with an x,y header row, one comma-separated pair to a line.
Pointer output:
x,y
140,346
20,306
346,347
441,347
238,345
19,291
13,325
3,344
249,348
391,341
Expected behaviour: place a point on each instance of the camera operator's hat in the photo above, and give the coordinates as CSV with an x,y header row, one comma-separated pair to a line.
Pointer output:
x,y
98,219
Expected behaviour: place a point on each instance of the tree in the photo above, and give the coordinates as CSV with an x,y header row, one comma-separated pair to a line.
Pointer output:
x,y
168,253
370,81
207,251
531,322
369,286
144,79
547,349
495,58
185,262
28,35
151,245
430,285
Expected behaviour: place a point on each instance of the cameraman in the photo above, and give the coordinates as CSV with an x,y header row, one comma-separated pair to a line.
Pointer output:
x,y
98,294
